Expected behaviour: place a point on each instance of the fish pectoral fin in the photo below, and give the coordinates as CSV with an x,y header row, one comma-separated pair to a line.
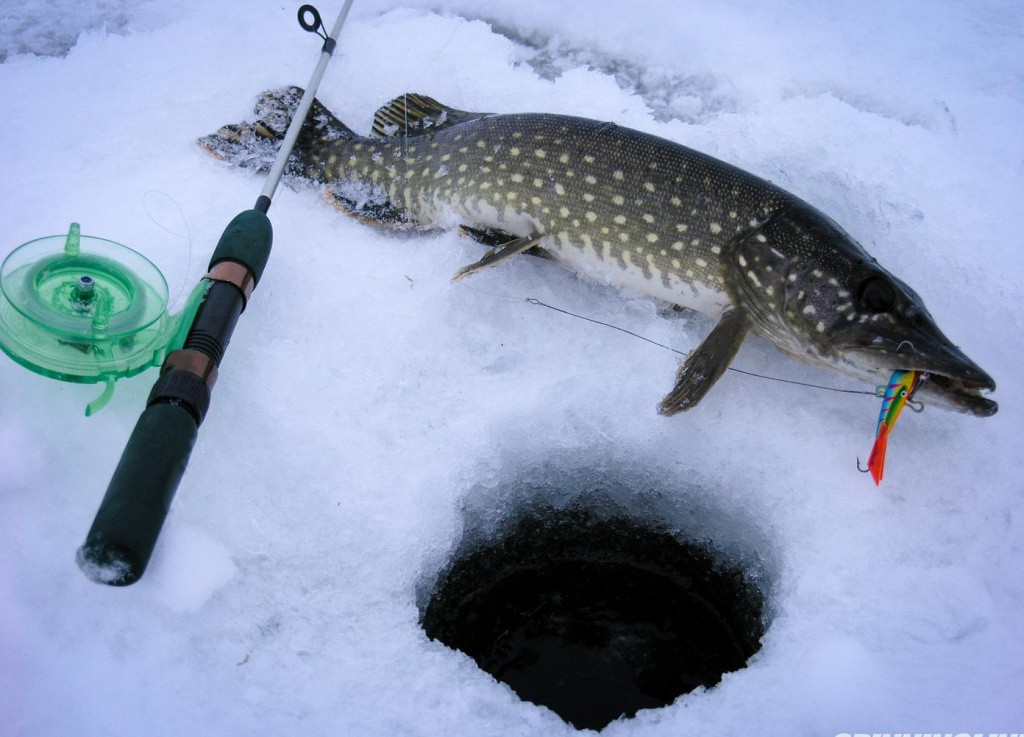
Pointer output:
x,y
706,363
499,254
411,114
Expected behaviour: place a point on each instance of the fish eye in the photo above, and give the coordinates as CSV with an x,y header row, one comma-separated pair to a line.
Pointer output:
x,y
876,294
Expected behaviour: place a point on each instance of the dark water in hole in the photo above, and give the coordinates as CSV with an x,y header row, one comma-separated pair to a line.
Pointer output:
x,y
596,618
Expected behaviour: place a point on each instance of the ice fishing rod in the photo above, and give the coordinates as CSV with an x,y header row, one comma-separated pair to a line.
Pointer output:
x,y
120,542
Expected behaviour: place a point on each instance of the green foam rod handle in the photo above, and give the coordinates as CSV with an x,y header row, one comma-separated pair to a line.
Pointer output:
x,y
119,544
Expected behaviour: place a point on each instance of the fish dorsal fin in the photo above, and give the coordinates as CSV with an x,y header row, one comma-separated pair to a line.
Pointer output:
x,y
412,114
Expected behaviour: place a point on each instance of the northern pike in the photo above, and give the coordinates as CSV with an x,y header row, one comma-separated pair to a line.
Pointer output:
x,y
633,210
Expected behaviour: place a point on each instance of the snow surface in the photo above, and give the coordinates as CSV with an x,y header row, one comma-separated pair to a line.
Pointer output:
x,y
369,412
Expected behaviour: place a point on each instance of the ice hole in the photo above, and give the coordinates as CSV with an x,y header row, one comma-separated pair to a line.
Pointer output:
x,y
592,611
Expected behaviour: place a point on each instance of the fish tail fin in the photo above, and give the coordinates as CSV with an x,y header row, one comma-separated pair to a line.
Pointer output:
x,y
255,144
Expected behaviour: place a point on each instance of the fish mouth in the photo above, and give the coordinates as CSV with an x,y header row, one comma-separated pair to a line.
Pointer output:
x,y
954,381
963,395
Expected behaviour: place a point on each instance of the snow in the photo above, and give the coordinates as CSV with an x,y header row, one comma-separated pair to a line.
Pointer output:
x,y
369,412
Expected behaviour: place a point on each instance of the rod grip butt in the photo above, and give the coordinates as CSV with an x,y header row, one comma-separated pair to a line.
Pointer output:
x,y
122,537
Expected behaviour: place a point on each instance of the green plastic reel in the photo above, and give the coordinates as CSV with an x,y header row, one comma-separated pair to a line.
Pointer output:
x,y
87,310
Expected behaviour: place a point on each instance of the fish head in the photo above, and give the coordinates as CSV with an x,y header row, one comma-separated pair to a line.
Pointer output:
x,y
817,294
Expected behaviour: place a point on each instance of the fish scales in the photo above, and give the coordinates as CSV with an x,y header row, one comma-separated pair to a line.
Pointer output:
x,y
633,210
617,204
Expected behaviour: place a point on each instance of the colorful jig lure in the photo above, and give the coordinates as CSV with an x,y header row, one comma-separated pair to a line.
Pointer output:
x,y
900,391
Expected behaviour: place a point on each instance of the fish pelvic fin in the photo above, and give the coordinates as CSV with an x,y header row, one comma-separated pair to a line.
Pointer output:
x,y
706,363
255,144
412,114
507,250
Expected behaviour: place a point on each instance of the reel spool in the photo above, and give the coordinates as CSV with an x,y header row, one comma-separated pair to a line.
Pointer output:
x,y
84,309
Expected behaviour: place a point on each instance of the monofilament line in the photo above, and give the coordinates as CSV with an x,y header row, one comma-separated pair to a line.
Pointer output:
x,y
534,301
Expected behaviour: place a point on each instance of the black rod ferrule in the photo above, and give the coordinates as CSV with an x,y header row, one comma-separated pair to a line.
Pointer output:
x,y
182,388
215,320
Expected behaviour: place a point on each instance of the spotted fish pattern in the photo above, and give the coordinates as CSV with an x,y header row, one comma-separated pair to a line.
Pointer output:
x,y
630,209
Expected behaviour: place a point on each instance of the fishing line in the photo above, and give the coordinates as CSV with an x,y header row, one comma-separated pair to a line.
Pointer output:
x,y
426,67
534,301
187,235
458,27
538,303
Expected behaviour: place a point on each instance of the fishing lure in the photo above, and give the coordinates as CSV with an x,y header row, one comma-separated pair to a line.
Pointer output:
x,y
899,393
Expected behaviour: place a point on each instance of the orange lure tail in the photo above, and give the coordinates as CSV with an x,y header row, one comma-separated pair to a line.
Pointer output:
x,y
876,461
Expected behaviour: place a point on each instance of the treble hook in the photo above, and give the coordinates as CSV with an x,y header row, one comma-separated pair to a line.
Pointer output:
x,y
918,406
862,470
